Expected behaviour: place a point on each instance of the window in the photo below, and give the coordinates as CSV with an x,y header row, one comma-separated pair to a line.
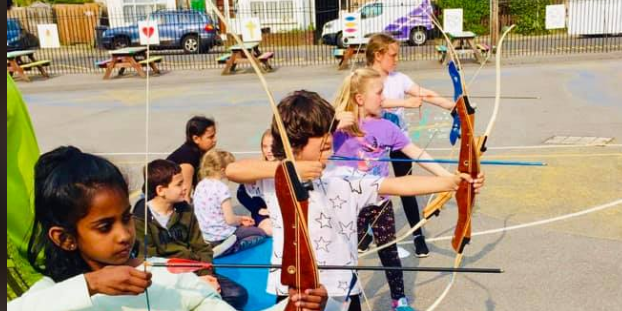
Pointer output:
x,y
372,10
137,10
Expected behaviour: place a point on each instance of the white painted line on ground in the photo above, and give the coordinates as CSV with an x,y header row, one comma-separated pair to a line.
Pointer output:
x,y
533,224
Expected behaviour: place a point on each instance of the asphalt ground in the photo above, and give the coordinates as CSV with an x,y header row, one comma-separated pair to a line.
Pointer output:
x,y
555,230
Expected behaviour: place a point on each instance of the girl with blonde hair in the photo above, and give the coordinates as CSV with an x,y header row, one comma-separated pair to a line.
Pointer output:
x,y
213,208
401,92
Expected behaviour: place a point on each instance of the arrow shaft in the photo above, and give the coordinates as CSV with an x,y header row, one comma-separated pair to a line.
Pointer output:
x,y
446,161
332,267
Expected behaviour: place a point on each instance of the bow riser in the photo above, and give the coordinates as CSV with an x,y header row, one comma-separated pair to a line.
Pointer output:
x,y
469,164
299,268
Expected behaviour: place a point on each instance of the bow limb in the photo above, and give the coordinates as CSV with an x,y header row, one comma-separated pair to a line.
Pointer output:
x,y
481,148
300,272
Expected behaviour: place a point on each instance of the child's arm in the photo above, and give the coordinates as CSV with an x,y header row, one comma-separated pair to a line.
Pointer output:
x,y
230,217
198,247
187,171
416,153
249,171
417,185
430,96
411,102
75,293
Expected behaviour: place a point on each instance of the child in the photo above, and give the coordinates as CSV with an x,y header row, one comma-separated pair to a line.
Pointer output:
x,y
253,202
382,55
214,210
200,138
337,196
366,135
173,230
82,239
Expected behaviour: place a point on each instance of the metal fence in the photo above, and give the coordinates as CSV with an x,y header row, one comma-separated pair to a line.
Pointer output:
x,y
294,34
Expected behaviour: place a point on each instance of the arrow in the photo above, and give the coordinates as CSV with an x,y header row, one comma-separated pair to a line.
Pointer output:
x,y
446,161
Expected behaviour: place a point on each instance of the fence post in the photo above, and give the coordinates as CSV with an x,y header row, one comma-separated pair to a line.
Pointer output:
x,y
494,22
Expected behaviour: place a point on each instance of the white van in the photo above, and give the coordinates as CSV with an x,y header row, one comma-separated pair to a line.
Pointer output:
x,y
406,20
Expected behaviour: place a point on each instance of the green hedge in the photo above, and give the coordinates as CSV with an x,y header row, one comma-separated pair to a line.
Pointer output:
x,y
474,12
529,15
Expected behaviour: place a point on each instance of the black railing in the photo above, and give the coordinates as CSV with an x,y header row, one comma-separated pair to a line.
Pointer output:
x,y
291,34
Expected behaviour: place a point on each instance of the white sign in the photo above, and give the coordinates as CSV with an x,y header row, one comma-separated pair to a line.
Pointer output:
x,y
48,36
555,16
148,31
452,20
351,25
251,29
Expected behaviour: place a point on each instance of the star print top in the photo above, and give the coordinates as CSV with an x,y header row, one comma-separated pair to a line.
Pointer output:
x,y
208,197
381,137
333,207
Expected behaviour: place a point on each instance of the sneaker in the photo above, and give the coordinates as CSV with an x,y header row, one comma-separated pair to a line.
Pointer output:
x,y
401,304
421,249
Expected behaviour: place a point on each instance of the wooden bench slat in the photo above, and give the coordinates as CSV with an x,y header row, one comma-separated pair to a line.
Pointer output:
x,y
223,58
265,56
38,63
153,59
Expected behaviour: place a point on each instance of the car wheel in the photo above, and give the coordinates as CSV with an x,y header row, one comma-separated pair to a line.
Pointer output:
x,y
339,41
120,42
418,36
190,44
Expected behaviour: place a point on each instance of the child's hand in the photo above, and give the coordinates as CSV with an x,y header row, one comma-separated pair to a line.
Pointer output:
x,y
413,102
247,221
211,280
309,170
117,281
346,119
312,299
478,183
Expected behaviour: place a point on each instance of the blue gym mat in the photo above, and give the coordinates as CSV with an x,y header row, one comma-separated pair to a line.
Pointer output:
x,y
254,280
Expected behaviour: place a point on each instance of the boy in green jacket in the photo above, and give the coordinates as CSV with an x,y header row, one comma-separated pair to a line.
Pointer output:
x,y
173,230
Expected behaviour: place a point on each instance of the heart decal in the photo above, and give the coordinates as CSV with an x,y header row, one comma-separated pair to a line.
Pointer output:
x,y
148,31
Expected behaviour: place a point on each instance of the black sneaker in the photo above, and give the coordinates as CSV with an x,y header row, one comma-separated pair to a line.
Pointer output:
x,y
421,249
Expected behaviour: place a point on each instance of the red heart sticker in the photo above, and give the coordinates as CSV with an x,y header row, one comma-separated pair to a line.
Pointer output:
x,y
148,31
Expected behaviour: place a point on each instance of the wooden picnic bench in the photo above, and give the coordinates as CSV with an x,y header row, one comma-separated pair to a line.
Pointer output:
x,y
237,56
464,44
17,64
133,57
354,48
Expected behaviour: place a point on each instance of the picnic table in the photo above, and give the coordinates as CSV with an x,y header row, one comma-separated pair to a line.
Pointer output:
x,y
19,61
130,57
353,48
236,56
464,42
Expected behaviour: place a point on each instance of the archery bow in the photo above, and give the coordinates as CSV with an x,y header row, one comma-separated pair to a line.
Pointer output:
x,y
298,257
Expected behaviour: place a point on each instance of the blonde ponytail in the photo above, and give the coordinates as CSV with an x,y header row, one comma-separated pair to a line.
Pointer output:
x,y
355,83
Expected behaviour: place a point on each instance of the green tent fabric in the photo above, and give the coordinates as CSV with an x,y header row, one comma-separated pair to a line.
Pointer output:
x,y
22,153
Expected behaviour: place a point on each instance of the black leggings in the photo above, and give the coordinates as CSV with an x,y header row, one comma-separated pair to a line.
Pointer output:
x,y
355,302
382,221
409,203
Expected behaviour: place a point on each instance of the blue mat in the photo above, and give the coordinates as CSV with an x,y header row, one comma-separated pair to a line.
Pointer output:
x,y
254,280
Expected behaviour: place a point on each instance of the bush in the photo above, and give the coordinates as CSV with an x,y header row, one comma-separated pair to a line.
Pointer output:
x,y
474,12
530,15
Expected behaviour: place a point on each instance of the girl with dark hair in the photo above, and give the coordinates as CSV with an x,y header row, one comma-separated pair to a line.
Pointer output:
x,y
200,138
82,242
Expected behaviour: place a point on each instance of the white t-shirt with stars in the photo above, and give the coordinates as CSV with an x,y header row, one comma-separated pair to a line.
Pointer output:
x,y
333,208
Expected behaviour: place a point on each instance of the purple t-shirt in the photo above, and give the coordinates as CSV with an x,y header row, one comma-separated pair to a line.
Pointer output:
x,y
381,137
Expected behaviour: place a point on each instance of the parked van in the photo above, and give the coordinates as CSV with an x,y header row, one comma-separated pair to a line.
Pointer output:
x,y
406,20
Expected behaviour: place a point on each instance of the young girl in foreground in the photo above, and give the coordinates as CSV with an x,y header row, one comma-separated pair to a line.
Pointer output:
x,y
84,235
